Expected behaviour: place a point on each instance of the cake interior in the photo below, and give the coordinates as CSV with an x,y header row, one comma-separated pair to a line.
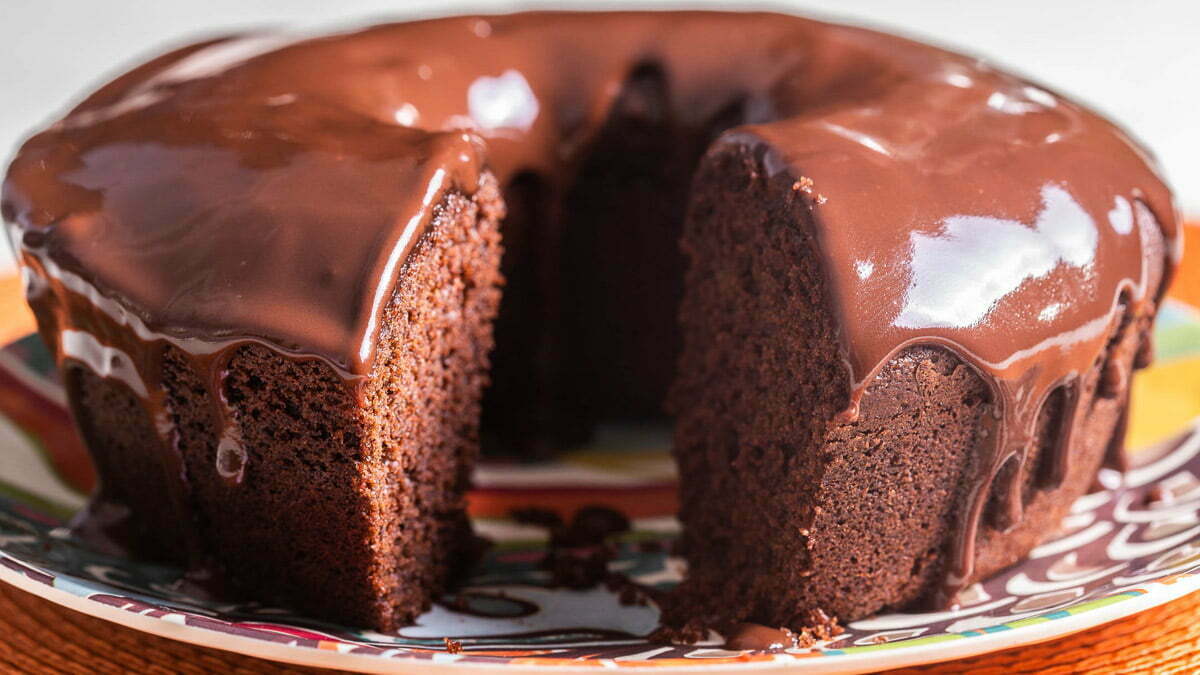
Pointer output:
x,y
588,331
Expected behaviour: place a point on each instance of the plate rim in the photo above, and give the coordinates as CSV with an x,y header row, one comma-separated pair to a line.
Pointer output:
x,y
942,652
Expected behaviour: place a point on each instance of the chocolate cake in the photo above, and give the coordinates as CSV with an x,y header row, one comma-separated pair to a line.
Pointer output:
x,y
890,296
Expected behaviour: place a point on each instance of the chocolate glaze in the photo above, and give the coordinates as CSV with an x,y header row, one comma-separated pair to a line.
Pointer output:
x,y
760,638
259,189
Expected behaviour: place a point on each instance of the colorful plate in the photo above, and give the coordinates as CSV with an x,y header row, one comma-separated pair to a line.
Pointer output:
x,y
1131,547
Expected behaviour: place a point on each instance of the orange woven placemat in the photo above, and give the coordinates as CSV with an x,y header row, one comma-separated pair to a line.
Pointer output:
x,y
37,636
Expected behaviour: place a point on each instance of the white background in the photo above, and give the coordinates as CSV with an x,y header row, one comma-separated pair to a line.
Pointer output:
x,y
1138,62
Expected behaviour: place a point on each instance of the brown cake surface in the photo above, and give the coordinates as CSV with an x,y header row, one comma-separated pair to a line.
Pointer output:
x,y
897,308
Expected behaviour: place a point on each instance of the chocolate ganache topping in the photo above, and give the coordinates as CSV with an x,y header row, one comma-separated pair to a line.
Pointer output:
x,y
267,189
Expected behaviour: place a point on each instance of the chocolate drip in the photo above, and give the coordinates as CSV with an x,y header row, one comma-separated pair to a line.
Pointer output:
x,y
761,638
256,190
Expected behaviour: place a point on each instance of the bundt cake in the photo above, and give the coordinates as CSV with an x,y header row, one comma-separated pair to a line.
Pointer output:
x,y
890,297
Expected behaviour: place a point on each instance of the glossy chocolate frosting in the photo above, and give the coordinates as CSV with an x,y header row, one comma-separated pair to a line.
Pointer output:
x,y
268,189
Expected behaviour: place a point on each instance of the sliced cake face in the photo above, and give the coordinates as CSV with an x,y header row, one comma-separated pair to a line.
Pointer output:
x,y
897,320
789,503
341,499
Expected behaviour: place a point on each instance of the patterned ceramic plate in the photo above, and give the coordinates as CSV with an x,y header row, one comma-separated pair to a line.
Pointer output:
x,y
1120,551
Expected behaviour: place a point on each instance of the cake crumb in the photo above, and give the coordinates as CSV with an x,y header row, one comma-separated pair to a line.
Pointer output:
x,y
452,646
590,526
805,185
804,639
687,634
539,517
629,592
823,626
578,552
577,568
879,639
